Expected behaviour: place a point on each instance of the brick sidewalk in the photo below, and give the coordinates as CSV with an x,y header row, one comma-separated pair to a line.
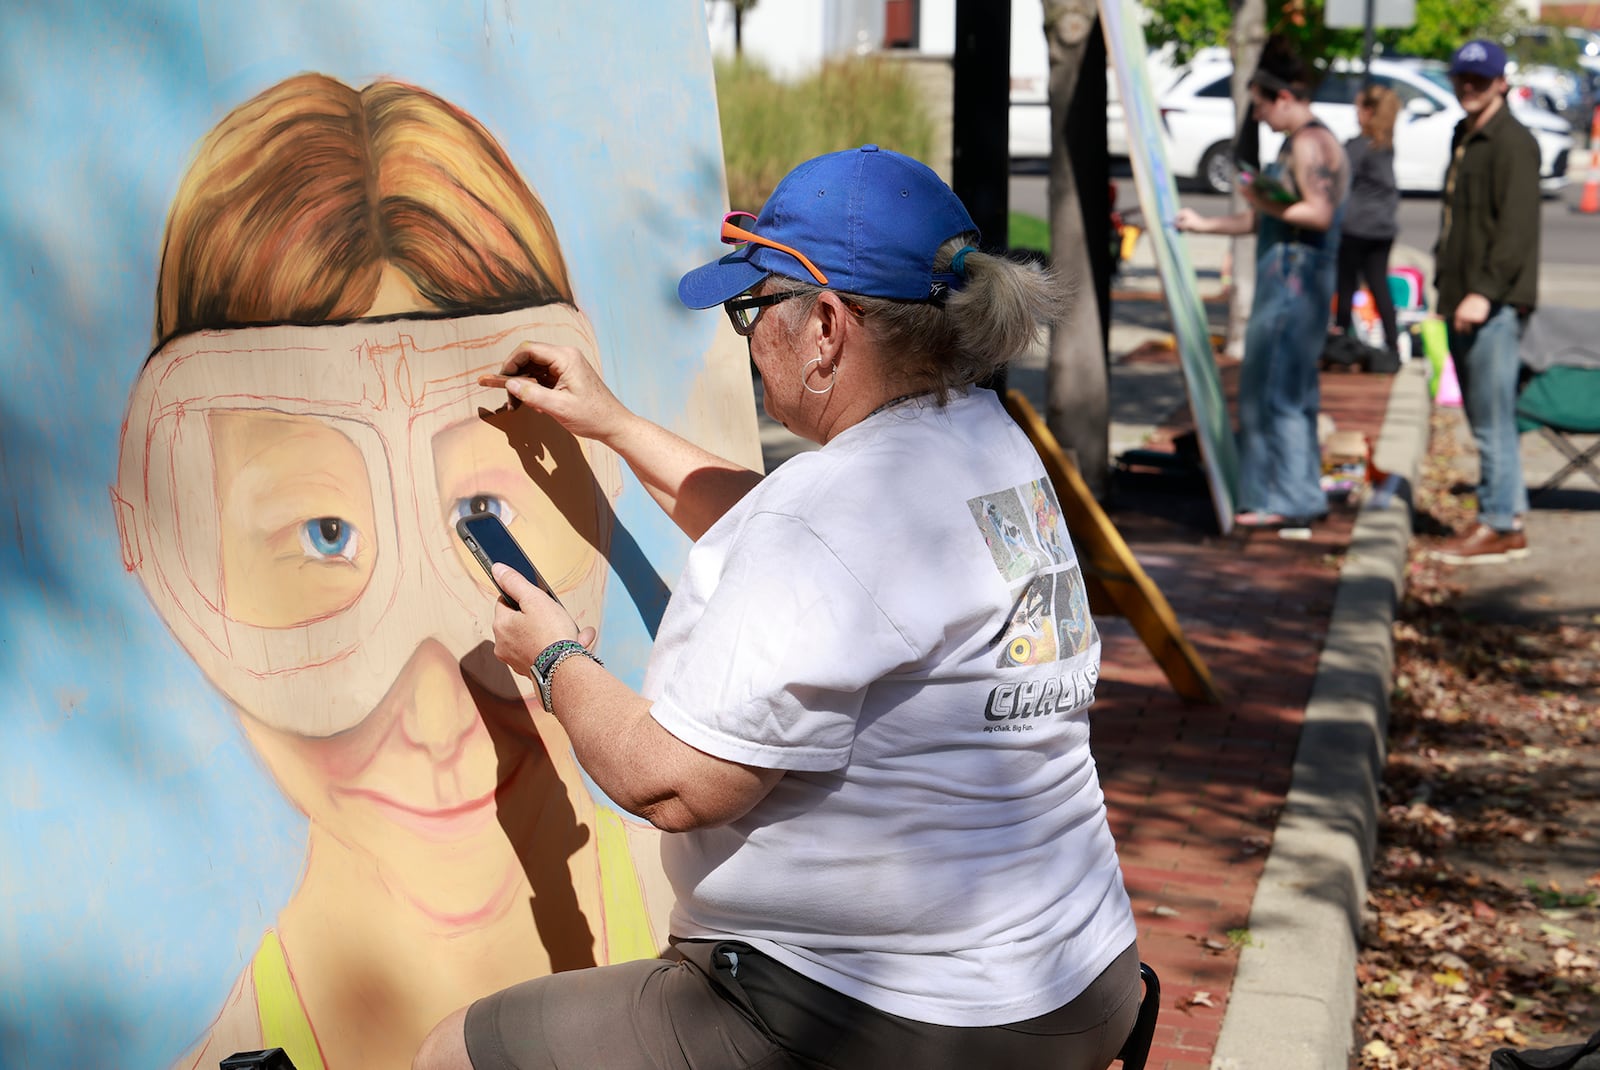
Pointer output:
x,y
1194,792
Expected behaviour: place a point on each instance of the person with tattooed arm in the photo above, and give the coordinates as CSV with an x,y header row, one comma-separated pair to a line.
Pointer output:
x,y
1295,207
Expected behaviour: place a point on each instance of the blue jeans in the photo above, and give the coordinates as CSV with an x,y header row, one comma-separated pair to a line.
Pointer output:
x,y
1487,362
1280,463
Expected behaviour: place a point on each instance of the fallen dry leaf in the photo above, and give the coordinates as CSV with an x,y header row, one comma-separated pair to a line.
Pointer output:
x,y
1481,929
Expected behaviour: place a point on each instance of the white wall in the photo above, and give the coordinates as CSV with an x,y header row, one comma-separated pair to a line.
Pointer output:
x,y
936,32
1030,57
791,38
783,35
936,27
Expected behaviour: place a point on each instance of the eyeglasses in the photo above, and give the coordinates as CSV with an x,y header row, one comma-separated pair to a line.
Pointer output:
x,y
734,234
744,312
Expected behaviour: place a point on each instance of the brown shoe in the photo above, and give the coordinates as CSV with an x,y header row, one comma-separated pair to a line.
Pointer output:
x,y
1482,545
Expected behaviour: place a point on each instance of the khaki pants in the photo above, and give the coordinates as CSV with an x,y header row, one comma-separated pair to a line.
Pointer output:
x,y
720,1005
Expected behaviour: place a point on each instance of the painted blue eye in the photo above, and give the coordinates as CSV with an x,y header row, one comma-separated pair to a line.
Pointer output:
x,y
482,503
329,536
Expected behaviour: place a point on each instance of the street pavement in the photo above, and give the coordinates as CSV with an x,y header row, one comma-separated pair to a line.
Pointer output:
x,y
1245,829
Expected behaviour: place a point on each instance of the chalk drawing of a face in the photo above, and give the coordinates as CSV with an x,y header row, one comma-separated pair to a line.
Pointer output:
x,y
340,266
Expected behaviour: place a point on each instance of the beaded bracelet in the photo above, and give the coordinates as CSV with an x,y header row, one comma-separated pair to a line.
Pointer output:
x,y
548,654
543,668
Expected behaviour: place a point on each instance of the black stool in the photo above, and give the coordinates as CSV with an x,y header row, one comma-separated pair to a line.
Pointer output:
x,y
269,1059
1136,1049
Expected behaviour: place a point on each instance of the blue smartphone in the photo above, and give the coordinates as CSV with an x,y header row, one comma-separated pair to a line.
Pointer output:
x,y
489,541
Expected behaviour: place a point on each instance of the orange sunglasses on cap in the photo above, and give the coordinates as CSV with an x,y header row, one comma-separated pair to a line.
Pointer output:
x,y
733,234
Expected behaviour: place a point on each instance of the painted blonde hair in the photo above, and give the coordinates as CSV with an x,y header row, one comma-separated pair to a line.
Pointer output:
x,y
1379,122
299,198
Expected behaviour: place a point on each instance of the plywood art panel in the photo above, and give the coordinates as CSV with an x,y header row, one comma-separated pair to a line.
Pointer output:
x,y
264,782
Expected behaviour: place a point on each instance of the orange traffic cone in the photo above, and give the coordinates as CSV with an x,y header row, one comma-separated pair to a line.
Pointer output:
x,y
1590,203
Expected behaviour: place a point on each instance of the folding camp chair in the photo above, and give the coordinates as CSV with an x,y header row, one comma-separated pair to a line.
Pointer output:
x,y
1559,403
1561,346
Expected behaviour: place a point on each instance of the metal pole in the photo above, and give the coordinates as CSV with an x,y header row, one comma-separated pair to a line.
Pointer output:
x,y
980,160
980,141
1366,43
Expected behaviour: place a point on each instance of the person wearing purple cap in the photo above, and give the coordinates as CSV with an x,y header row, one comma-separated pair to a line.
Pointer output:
x,y
1487,275
864,721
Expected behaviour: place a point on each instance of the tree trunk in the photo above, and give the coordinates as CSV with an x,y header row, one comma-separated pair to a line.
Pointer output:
x,y
1245,41
1077,403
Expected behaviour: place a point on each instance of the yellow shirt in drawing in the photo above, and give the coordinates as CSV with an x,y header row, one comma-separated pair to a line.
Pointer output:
x,y
625,924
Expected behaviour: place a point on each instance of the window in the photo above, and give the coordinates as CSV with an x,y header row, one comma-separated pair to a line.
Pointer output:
x,y
1406,91
1342,87
1337,87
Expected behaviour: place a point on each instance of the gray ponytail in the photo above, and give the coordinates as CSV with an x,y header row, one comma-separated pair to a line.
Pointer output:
x,y
994,316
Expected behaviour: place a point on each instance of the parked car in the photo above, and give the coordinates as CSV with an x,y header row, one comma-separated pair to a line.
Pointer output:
x,y
1197,116
1534,108
1563,61
1568,90
1030,118
1581,43
1545,88
1588,42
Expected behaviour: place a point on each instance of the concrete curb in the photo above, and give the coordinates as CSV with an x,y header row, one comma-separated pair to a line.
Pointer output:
x,y
1292,1005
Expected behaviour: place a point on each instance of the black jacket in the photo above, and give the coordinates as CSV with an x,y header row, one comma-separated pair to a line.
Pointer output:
x,y
1489,231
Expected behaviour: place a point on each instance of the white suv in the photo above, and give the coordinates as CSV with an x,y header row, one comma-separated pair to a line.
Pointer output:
x,y
1197,113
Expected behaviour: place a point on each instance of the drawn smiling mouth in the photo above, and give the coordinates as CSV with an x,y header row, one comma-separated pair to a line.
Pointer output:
x,y
455,821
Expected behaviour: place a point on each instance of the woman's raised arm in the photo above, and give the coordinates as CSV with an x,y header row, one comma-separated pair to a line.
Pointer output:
x,y
692,485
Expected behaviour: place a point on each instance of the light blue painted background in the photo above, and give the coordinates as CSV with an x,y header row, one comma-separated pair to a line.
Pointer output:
x,y
142,847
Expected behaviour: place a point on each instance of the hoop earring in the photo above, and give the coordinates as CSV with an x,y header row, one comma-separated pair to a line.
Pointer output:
x,y
805,373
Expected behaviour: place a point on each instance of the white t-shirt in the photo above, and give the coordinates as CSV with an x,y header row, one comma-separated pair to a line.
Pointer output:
x,y
898,620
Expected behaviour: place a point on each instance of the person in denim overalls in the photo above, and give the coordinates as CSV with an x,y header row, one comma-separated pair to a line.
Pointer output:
x,y
1296,207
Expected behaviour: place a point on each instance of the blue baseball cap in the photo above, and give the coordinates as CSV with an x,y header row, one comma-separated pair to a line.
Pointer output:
x,y
869,220
1483,58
